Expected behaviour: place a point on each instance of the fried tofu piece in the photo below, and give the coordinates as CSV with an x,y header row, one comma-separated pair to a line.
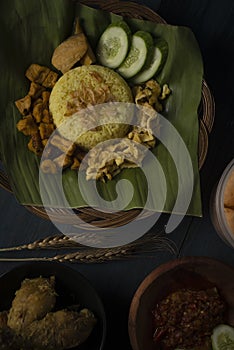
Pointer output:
x,y
45,130
24,104
35,145
35,298
37,73
35,90
60,330
27,125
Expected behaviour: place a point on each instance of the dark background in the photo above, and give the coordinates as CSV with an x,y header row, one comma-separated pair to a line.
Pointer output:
x,y
212,22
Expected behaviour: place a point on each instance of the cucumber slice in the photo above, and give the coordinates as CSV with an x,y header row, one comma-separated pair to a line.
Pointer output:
x,y
155,65
223,338
141,49
113,44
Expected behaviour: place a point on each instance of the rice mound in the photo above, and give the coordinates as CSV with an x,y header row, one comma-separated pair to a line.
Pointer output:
x,y
98,83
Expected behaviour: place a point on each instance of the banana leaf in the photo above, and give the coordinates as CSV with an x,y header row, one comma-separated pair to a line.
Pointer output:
x,y
30,31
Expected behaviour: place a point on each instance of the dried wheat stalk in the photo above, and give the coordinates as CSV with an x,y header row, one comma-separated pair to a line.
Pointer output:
x,y
51,242
146,245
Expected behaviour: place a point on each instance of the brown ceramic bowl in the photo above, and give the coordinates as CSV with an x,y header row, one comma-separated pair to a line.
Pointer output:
x,y
188,272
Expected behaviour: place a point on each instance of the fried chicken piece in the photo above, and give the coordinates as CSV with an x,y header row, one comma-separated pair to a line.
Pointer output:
x,y
37,73
63,144
46,130
50,80
37,101
35,90
35,298
60,330
35,144
149,94
63,161
48,166
38,112
24,104
76,164
45,97
47,117
27,125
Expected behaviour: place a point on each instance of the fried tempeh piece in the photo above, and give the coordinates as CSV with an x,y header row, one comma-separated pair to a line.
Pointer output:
x,y
89,56
27,125
69,52
35,298
60,330
24,104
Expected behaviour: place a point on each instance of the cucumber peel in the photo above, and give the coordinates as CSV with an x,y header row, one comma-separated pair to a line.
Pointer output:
x,y
155,65
114,44
140,51
223,338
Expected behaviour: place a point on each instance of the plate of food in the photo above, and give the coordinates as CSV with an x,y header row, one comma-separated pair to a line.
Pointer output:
x,y
52,306
35,103
184,304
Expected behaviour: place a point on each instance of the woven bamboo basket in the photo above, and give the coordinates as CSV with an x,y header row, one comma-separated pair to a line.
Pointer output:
x,y
206,114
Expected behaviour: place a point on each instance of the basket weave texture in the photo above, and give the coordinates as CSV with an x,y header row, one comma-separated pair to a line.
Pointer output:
x,y
206,118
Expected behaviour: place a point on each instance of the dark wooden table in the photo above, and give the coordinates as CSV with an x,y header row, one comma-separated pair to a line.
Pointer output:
x,y
116,282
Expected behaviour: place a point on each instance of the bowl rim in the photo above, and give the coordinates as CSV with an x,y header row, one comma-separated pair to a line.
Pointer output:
x,y
64,268
219,204
155,273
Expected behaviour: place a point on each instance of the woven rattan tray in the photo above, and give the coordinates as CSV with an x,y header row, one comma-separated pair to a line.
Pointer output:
x,y
206,119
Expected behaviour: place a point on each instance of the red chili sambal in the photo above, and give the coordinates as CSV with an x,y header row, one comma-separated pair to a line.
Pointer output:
x,y
186,318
